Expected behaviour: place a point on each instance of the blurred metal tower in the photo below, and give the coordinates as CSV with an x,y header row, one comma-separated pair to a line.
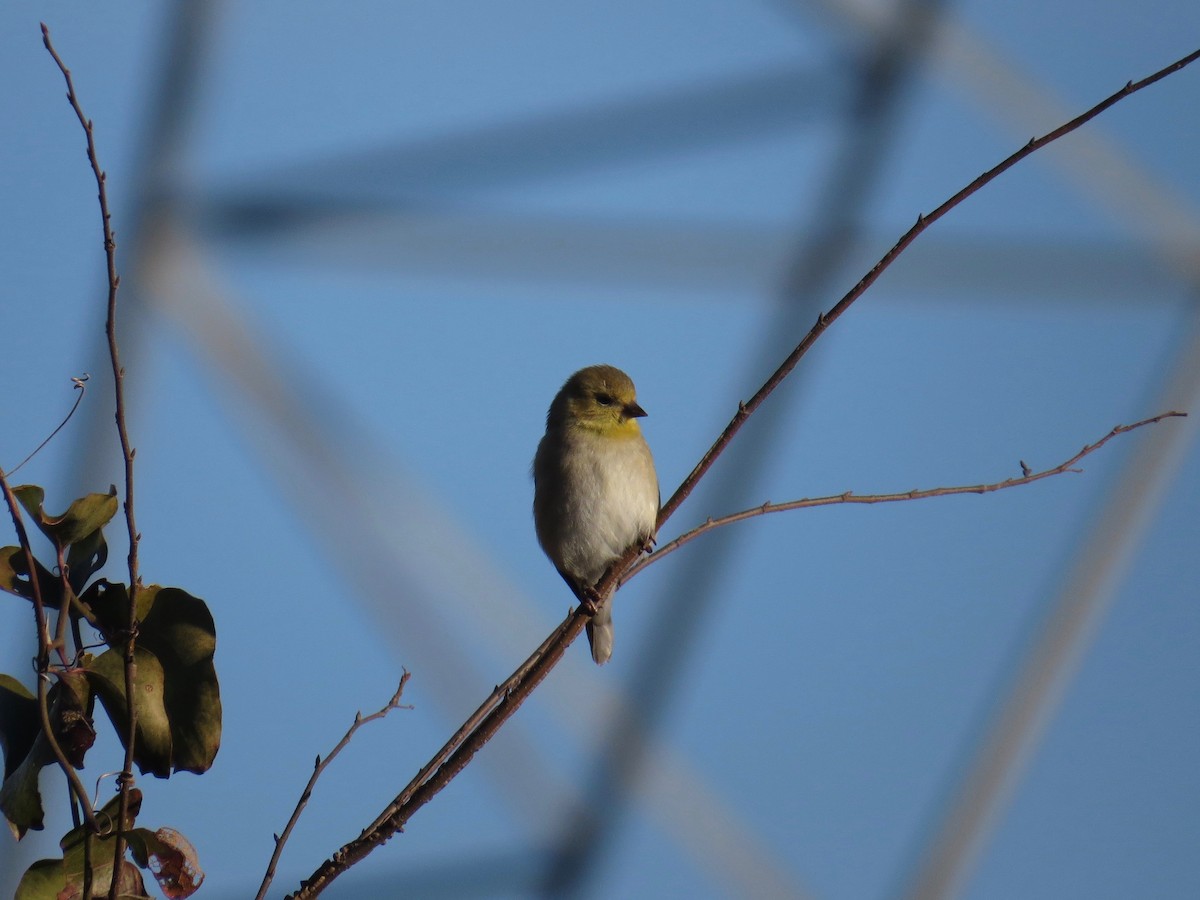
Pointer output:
x,y
409,207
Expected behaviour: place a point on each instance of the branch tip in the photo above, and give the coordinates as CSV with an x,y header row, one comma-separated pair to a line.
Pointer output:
x,y
1028,477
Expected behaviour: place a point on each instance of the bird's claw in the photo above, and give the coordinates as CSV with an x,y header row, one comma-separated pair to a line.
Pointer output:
x,y
589,601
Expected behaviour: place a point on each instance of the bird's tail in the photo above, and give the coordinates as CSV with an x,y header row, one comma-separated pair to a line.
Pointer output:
x,y
600,634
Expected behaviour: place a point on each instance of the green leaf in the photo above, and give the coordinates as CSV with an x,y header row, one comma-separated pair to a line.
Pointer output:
x,y
20,800
170,857
18,722
44,880
106,672
82,518
14,578
76,853
20,731
14,572
178,697
26,750
106,817
86,557
47,880
109,603
63,879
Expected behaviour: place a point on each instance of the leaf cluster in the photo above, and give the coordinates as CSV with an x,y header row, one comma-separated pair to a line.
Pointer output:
x,y
176,700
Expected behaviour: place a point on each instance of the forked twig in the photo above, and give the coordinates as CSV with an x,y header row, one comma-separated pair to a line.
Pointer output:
x,y
321,764
1028,477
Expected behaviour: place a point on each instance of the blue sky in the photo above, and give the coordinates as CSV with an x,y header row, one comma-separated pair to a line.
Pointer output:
x,y
336,401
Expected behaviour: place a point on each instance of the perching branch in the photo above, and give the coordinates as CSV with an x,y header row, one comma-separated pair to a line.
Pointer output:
x,y
125,779
508,697
1028,477
320,766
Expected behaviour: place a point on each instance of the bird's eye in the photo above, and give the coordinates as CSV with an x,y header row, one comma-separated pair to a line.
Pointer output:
x,y
604,399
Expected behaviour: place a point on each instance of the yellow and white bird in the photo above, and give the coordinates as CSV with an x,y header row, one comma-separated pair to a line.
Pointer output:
x,y
595,492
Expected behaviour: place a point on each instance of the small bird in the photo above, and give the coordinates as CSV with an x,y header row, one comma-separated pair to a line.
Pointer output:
x,y
595,492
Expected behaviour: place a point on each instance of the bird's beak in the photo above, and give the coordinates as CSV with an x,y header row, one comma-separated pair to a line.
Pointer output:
x,y
633,411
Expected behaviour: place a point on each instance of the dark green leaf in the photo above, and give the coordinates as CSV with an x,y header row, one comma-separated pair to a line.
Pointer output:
x,y
109,602
26,750
20,731
85,558
82,517
76,851
14,572
14,578
106,817
60,879
179,701
152,749
19,798
44,880
18,722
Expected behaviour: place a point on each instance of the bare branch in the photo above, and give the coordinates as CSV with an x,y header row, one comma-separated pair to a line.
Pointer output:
x,y
506,699
1028,476
125,779
321,764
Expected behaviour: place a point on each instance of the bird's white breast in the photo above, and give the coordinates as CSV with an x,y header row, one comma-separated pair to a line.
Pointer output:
x,y
610,501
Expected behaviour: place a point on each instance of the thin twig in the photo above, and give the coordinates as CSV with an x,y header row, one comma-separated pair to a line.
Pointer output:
x,y
1028,477
504,701
68,599
88,874
42,663
125,780
321,764
79,386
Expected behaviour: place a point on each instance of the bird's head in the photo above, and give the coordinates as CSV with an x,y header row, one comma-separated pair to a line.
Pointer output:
x,y
598,398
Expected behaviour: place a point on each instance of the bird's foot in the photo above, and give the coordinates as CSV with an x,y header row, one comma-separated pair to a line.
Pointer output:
x,y
589,601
